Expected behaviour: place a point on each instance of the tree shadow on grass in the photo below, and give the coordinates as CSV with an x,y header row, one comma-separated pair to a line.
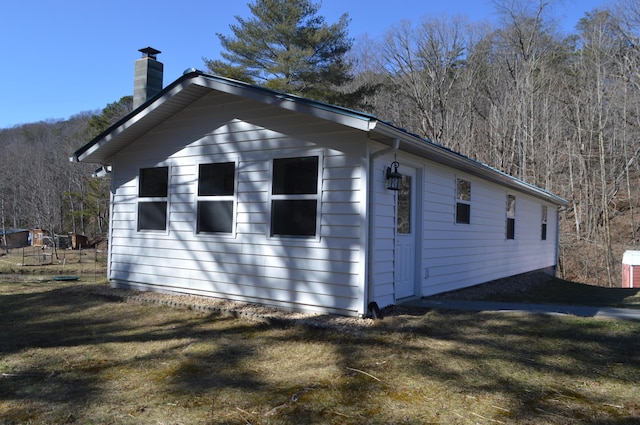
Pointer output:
x,y
527,359
549,290
428,366
527,368
545,369
60,345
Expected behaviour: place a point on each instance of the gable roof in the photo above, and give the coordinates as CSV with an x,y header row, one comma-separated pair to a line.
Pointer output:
x,y
194,84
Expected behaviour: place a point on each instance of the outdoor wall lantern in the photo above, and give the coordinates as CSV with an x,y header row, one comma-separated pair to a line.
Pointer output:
x,y
393,177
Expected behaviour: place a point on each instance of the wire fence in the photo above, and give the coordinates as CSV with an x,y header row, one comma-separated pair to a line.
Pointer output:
x,y
49,260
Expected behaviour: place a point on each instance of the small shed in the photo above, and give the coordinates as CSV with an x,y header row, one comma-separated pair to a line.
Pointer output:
x,y
78,241
631,269
62,241
14,238
37,237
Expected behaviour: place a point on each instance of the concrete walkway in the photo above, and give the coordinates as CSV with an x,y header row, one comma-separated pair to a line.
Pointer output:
x,y
584,311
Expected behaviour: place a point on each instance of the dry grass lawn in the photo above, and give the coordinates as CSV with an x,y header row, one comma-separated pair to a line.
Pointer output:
x,y
68,356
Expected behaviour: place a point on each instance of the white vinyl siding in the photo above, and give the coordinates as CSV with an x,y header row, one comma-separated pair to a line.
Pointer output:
x,y
322,274
455,256
384,232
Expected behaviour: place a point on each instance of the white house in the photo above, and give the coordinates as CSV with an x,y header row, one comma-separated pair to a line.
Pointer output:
x,y
225,189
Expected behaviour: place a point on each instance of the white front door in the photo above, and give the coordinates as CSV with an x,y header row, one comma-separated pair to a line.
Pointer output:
x,y
405,252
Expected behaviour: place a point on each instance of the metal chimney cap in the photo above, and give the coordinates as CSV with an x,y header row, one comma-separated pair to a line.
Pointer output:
x,y
149,52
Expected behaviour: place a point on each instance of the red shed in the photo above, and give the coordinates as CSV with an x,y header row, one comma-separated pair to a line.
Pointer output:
x,y
631,269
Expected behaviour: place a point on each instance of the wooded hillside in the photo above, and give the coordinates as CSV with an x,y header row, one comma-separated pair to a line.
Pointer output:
x,y
559,111
41,188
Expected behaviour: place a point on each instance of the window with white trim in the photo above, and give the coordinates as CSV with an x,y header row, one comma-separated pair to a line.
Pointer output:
x,y
153,190
294,197
216,197
463,201
544,223
511,217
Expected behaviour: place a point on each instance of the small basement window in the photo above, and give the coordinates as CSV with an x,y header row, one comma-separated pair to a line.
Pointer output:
x,y
463,201
153,189
511,217
294,196
216,197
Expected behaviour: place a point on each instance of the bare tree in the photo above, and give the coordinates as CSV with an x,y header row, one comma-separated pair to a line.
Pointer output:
x,y
425,65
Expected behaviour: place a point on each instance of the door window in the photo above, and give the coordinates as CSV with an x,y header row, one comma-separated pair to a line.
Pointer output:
x,y
404,206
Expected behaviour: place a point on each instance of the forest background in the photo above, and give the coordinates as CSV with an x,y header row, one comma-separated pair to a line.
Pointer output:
x,y
560,112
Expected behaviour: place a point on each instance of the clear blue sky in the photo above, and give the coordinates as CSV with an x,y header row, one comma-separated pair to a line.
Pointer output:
x,y
62,57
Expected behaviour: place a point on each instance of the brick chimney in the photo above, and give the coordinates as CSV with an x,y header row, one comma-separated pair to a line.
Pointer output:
x,y
147,81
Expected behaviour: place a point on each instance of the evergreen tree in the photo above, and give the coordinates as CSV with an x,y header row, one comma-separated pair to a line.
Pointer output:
x,y
110,115
287,46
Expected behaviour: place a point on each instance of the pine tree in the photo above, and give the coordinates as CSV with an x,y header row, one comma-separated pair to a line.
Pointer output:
x,y
287,46
110,115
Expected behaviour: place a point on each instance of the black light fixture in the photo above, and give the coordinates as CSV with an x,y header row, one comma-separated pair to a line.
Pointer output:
x,y
393,177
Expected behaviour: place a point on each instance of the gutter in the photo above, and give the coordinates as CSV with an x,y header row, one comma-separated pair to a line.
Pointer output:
x,y
371,307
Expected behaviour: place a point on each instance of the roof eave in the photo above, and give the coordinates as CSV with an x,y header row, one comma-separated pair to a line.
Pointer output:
x,y
195,84
427,149
333,113
90,151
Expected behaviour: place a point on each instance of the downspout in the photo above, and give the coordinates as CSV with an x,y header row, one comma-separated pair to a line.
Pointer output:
x,y
370,305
